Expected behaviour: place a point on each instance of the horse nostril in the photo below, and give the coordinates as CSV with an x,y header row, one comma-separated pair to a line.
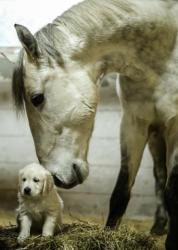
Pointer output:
x,y
75,167
62,184
78,173
27,190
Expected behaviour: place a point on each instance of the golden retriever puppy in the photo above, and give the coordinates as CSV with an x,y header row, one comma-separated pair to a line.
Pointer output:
x,y
39,202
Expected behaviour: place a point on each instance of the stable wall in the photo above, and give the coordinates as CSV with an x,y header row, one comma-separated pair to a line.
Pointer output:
x,y
92,197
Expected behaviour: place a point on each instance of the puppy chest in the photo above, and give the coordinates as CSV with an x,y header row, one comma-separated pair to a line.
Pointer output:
x,y
37,212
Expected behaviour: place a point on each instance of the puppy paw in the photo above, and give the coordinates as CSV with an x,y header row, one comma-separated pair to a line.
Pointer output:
x,y
47,234
21,238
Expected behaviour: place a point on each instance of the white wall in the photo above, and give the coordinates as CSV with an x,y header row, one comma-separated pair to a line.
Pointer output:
x,y
33,13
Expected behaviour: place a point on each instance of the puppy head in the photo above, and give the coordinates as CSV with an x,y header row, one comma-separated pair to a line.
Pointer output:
x,y
35,181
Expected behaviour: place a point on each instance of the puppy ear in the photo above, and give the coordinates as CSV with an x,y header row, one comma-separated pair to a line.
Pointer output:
x,y
48,184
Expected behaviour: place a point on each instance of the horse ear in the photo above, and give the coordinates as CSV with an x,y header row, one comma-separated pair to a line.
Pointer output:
x,y
28,41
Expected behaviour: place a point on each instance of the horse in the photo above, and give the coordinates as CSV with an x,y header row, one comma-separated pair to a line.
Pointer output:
x,y
56,81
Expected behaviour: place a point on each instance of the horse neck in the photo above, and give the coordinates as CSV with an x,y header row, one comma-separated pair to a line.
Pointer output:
x,y
119,36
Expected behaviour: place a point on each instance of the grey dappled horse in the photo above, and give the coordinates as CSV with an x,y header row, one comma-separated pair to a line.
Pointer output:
x,y
56,77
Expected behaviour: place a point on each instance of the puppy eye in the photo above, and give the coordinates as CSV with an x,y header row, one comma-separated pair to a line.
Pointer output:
x,y
24,179
36,180
37,99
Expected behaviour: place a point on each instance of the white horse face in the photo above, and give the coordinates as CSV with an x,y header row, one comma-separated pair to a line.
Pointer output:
x,y
61,105
62,124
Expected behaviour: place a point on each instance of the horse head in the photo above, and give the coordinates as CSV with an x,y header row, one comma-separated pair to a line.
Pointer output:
x,y
60,100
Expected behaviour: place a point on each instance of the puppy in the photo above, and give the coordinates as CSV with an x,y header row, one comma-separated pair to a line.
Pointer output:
x,y
39,202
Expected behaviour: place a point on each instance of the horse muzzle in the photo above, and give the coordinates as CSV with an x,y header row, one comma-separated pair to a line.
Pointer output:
x,y
79,174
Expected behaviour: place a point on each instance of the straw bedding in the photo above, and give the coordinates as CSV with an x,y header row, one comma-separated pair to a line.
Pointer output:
x,y
81,236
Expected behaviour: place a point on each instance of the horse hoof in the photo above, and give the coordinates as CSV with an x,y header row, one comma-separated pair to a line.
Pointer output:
x,y
113,224
158,230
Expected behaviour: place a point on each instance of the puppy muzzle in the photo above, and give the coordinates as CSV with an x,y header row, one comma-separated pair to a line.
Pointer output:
x,y
27,191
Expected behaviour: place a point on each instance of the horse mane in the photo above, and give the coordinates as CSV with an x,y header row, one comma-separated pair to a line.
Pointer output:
x,y
85,21
91,16
78,19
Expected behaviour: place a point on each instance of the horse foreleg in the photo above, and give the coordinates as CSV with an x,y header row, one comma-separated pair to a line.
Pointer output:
x,y
157,148
134,133
171,191
171,198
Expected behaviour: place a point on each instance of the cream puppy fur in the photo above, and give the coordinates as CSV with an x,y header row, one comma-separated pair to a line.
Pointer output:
x,y
39,202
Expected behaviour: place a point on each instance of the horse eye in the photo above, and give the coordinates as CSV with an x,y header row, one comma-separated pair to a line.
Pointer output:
x,y
36,180
37,99
24,179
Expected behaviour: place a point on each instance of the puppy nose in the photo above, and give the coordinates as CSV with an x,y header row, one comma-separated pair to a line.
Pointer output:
x,y
27,190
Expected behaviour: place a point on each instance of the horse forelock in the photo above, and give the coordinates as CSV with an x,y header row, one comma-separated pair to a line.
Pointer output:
x,y
18,92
